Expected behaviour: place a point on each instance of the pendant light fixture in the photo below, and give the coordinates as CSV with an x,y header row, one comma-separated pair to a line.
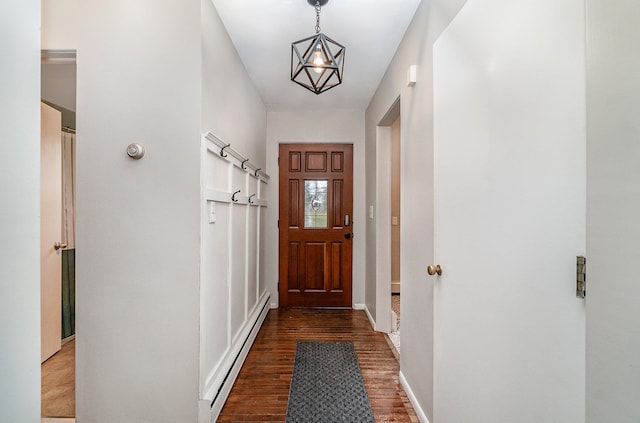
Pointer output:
x,y
317,62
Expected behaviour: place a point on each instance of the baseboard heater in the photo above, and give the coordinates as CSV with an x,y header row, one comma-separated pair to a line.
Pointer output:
x,y
229,379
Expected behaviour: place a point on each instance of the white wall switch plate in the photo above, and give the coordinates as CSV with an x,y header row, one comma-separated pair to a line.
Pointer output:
x,y
212,212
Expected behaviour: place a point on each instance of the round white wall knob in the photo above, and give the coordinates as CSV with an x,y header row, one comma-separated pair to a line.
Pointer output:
x,y
135,151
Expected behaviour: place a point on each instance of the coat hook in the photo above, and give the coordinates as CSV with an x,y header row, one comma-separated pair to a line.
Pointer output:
x,y
233,196
250,198
222,153
242,165
257,170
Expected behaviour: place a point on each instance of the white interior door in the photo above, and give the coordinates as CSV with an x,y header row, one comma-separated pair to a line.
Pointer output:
x,y
510,161
613,227
50,231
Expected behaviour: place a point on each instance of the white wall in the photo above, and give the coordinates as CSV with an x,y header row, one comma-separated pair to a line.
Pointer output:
x,y
20,211
613,206
339,126
59,85
231,106
61,23
138,222
417,188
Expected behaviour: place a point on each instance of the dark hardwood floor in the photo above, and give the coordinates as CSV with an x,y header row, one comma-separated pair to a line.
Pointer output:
x,y
261,390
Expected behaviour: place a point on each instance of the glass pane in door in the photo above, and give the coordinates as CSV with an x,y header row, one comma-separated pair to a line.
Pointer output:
x,y
315,203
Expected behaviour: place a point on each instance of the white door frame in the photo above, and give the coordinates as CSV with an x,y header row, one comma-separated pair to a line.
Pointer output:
x,y
383,218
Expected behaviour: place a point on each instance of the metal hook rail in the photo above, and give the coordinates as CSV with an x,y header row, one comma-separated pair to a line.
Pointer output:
x,y
226,151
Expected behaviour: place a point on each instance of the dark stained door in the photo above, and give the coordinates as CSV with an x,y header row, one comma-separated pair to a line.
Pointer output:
x,y
316,210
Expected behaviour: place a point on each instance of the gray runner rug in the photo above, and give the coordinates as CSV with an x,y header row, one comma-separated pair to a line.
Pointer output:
x,y
327,385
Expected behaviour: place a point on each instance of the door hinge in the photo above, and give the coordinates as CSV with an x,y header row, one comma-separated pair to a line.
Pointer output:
x,y
278,160
278,223
278,286
581,277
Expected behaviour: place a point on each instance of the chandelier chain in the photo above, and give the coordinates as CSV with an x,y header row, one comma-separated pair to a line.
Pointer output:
x,y
317,17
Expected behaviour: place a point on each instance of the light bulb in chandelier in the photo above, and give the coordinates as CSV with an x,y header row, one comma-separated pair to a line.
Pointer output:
x,y
318,60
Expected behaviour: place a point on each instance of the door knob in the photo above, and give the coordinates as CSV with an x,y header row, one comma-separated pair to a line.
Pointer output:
x,y
434,270
347,235
59,245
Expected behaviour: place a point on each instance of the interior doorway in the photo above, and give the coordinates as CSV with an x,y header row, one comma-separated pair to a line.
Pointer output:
x,y
394,158
388,220
58,94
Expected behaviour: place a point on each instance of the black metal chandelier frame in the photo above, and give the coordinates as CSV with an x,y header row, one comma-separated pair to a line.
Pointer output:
x,y
317,62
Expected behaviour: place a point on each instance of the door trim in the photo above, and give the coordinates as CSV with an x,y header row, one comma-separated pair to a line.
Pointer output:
x,y
383,217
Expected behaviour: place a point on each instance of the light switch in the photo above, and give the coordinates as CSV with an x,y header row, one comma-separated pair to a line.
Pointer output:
x,y
394,220
212,212
370,212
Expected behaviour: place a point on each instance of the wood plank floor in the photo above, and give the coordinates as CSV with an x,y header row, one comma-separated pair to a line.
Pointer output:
x,y
261,390
59,384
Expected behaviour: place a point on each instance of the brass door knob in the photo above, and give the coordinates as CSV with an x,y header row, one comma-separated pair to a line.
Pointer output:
x,y
434,270
59,245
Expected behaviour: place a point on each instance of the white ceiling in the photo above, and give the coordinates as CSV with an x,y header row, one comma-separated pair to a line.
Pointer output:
x,y
262,31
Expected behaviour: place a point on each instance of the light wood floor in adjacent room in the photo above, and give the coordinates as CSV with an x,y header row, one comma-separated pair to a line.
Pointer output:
x,y
261,390
58,383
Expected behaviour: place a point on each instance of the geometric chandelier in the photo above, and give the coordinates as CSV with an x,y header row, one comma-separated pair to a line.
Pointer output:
x,y
317,62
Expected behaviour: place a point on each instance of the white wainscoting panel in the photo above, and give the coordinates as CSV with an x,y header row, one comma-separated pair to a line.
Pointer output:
x,y
237,282
233,296
252,259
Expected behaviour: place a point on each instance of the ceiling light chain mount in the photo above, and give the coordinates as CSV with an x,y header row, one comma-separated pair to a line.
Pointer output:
x,y
318,9
317,62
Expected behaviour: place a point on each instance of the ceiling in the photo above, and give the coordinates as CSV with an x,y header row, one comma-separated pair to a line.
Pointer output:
x,y
262,32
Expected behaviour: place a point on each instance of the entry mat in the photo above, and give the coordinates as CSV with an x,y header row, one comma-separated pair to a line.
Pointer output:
x,y
327,385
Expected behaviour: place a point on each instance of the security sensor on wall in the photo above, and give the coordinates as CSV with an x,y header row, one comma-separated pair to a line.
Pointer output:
x,y
412,75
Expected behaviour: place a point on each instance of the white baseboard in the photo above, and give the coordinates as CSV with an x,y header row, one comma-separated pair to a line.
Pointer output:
x,y
414,401
208,412
57,420
366,310
204,411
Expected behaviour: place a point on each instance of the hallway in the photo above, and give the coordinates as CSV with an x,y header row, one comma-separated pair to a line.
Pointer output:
x,y
520,143
261,390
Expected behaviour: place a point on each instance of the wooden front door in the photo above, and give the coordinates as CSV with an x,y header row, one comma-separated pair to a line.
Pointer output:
x,y
316,209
